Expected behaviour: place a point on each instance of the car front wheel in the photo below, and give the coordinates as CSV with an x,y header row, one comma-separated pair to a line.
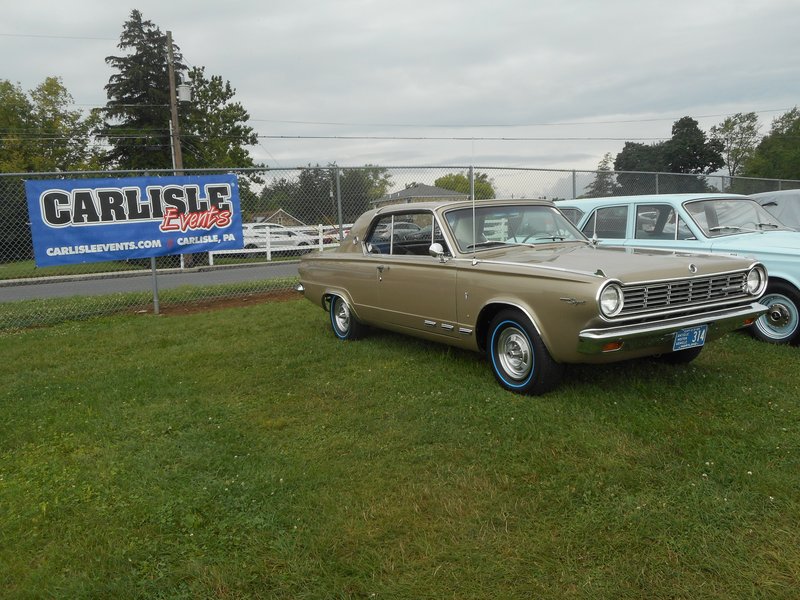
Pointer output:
x,y
781,323
520,361
343,321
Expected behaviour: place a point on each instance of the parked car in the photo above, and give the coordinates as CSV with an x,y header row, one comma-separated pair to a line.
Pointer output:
x,y
516,280
783,205
718,223
280,238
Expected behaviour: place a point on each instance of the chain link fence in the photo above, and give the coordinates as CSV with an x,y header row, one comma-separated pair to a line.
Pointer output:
x,y
285,213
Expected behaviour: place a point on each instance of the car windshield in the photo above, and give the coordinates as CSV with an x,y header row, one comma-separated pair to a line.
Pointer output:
x,y
493,226
729,216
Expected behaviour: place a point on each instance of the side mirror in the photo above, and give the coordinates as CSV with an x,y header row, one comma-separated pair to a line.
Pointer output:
x,y
437,251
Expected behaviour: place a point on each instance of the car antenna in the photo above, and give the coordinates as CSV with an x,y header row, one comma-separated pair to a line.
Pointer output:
x,y
474,223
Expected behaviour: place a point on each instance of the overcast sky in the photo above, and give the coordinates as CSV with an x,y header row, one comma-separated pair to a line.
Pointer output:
x,y
576,78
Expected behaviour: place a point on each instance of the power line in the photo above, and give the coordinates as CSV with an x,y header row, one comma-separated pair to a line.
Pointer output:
x,y
500,125
460,138
57,37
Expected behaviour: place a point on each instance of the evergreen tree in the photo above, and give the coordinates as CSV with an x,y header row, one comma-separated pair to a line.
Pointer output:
x,y
137,112
604,183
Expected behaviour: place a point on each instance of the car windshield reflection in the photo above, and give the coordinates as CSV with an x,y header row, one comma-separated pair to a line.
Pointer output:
x,y
491,227
730,216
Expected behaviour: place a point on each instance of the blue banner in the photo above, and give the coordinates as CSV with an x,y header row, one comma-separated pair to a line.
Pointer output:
x,y
91,220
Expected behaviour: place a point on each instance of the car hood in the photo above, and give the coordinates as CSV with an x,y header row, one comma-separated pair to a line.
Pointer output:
x,y
770,241
616,262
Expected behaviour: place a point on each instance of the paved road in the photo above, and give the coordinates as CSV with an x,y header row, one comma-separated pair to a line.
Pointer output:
x,y
142,282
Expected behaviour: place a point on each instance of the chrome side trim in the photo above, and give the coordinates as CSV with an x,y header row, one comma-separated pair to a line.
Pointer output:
x,y
505,263
429,323
448,326
465,330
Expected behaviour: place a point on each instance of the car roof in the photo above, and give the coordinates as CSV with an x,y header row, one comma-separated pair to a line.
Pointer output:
x,y
450,204
647,198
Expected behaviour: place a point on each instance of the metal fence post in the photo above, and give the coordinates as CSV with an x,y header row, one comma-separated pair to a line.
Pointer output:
x,y
339,204
156,307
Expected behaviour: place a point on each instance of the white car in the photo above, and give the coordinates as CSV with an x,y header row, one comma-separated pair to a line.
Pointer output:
x,y
276,237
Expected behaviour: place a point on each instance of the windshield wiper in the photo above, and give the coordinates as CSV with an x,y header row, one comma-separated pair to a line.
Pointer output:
x,y
555,238
773,225
486,244
728,228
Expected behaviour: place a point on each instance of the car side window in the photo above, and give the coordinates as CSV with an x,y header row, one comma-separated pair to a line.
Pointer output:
x,y
660,222
573,214
404,234
607,223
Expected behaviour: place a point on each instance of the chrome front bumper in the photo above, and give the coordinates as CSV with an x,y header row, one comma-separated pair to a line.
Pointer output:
x,y
661,334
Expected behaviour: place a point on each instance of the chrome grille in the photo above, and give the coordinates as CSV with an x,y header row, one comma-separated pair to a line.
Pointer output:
x,y
683,292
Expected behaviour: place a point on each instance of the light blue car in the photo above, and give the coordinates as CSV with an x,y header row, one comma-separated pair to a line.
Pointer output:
x,y
717,223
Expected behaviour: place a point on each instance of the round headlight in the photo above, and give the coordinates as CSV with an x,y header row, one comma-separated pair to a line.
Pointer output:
x,y
755,281
611,300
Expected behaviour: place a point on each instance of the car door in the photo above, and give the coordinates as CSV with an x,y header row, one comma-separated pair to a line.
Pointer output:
x,y
415,290
608,224
665,226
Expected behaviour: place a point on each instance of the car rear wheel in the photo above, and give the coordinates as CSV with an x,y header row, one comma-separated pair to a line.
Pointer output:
x,y
520,361
781,323
343,321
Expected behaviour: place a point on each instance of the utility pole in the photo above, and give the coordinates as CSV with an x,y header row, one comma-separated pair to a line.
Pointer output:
x,y
175,129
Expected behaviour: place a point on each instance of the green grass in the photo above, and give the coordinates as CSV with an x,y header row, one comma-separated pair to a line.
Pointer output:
x,y
49,311
246,453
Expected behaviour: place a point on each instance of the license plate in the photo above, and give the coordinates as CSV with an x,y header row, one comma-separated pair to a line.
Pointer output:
x,y
690,337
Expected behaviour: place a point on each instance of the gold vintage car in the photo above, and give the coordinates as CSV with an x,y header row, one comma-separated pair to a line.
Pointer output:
x,y
515,279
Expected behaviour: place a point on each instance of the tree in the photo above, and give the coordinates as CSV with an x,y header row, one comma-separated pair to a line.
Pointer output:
x,y
360,187
459,182
686,152
312,198
15,116
137,111
604,183
39,132
635,165
777,156
214,131
280,193
738,135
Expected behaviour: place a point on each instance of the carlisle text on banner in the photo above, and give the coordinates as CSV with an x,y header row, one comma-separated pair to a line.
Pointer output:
x,y
90,220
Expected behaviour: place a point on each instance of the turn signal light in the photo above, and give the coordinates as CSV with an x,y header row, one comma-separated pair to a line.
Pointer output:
x,y
612,346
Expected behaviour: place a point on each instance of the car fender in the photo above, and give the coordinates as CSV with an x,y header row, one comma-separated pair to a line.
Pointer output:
x,y
495,305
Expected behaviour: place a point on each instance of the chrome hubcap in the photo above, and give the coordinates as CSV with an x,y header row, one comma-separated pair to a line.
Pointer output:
x,y
779,315
342,316
514,353
781,320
